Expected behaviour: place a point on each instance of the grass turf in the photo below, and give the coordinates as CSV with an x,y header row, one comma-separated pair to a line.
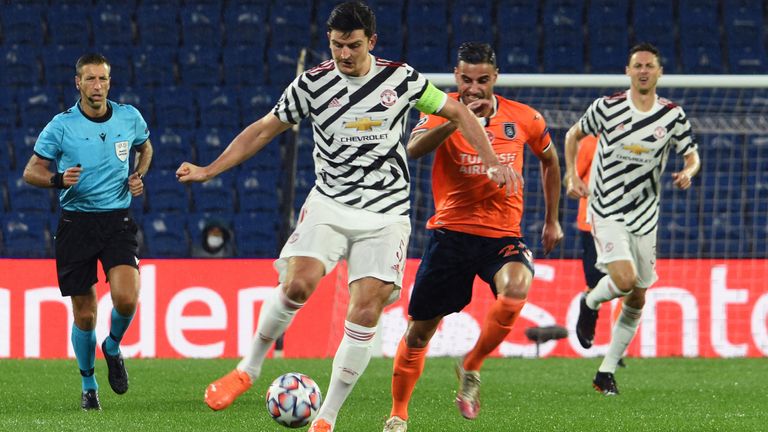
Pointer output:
x,y
517,395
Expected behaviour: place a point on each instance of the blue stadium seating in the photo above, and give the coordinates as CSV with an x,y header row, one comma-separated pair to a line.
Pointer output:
x,y
244,65
59,67
9,111
154,66
219,108
215,195
244,26
257,190
38,105
196,222
256,235
25,198
20,67
158,24
165,235
22,24
201,25
113,25
26,236
69,24
175,107
164,193
199,66
210,143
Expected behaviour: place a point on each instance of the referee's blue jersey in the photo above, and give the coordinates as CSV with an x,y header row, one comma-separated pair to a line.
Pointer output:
x,y
101,147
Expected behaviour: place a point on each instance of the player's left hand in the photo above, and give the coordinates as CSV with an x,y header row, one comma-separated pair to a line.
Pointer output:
x,y
682,180
551,236
135,184
505,175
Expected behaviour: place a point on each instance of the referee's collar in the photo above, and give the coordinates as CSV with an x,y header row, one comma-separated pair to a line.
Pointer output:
x,y
102,119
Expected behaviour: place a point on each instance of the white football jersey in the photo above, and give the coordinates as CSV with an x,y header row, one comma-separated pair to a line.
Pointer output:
x,y
358,124
631,154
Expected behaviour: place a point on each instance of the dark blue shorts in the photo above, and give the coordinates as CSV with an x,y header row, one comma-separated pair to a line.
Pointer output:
x,y
448,268
588,259
83,238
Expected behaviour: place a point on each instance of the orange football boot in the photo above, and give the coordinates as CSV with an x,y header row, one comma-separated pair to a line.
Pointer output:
x,y
222,392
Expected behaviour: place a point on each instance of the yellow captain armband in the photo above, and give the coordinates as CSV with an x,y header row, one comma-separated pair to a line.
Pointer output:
x,y
432,100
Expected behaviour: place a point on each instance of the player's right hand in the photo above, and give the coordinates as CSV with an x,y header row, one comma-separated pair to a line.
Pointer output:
x,y
71,175
188,173
576,188
505,175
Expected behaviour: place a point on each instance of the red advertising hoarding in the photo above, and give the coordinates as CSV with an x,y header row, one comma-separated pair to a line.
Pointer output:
x,y
208,309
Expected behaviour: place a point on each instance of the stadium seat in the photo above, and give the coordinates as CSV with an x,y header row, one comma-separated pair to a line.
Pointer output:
x,y
59,65
199,66
517,58
747,59
215,195
139,99
244,65
472,23
244,26
38,105
69,24
651,20
257,190
165,235
219,108
26,236
164,193
427,58
9,111
154,66
256,235
19,67
282,64
175,108
22,24
257,101
113,25
171,146
289,27
158,24
25,198
201,25
210,143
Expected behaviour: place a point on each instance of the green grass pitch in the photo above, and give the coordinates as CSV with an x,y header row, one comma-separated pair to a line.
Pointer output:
x,y
517,395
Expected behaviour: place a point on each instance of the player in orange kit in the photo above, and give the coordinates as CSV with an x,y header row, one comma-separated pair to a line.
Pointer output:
x,y
475,229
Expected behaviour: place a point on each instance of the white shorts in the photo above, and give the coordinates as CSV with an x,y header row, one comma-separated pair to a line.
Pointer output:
x,y
373,244
614,243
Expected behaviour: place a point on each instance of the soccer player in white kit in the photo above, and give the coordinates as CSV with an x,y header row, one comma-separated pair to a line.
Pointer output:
x,y
358,208
637,130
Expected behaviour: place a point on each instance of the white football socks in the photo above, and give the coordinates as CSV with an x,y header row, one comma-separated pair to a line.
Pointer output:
x,y
623,331
604,291
276,315
350,361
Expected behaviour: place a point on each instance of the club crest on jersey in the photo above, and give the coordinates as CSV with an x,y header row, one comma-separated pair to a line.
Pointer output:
x,y
388,97
660,132
121,150
510,130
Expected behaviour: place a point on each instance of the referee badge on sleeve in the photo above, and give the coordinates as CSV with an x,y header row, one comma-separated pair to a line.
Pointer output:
x,y
122,149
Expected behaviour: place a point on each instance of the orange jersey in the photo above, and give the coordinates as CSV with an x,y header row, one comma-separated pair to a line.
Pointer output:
x,y
587,147
466,200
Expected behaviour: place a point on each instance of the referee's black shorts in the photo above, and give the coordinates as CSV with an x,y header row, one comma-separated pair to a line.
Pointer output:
x,y
82,238
450,263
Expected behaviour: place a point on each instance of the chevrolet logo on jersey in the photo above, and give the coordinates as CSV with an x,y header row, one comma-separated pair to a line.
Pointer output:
x,y
637,149
363,124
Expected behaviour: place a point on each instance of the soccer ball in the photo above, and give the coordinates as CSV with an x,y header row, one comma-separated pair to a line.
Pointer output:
x,y
293,399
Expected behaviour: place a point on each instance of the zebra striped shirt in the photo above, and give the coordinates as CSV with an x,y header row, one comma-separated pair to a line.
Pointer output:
x,y
358,124
632,152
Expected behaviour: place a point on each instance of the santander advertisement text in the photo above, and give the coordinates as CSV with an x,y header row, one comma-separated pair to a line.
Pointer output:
x,y
209,309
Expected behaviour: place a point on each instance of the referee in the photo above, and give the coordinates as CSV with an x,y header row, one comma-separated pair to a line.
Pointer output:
x,y
90,144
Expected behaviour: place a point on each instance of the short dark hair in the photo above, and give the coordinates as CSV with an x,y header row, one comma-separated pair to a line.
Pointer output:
x,y
477,53
647,47
91,58
350,16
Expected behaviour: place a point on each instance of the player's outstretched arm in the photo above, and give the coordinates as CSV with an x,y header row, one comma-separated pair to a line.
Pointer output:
x,y
252,139
575,186
467,123
682,178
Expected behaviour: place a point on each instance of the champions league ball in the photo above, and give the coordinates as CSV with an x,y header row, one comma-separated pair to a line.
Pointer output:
x,y
293,399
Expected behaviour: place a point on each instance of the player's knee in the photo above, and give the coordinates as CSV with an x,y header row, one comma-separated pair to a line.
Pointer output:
x,y
298,289
636,299
516,288
415,339
365,314
85,319
625,281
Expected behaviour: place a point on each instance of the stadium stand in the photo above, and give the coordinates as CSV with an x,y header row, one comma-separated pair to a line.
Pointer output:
x,y
199,71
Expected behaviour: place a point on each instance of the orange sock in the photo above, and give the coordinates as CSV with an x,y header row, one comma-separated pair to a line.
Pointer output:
x,y
496,327
407,368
